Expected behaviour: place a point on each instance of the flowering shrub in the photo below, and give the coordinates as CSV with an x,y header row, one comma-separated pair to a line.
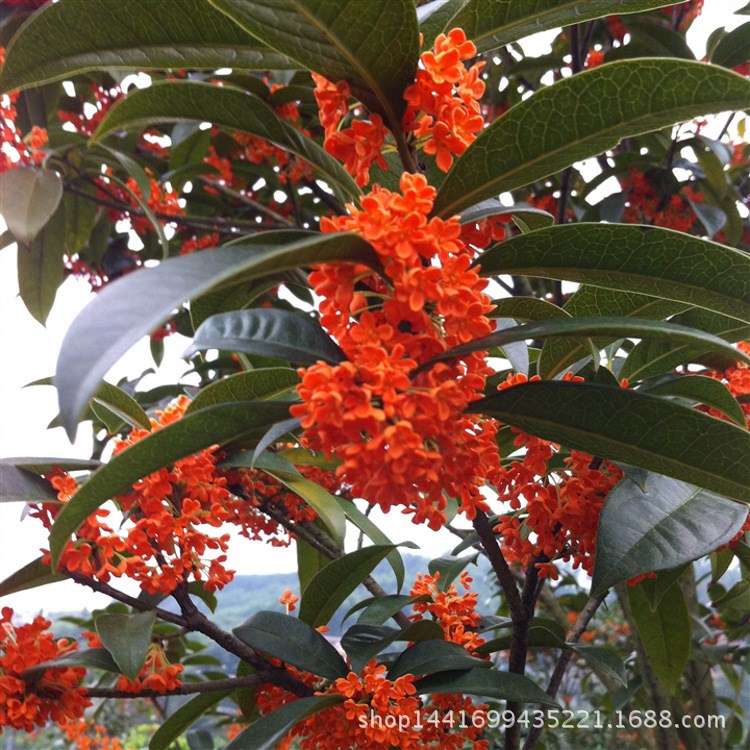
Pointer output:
x,y
500,293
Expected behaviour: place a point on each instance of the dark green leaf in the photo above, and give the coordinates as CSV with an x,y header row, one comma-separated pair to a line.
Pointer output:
x,y
434,16
543,632
264,384
603,659
377,610
520,147
703,390
645,260
665,633
93,658
28,200
321,501
373,46
622,425
651,358
449,568
177,722
655,588
493,25
122,404
328,590
429,657
101,34
526,308
80,215
529,217
487,683
734,48
140,302
194,432
274,333
668,524
225,106
30,576
18,485
560,354
40,264
265,733
127,638
309,562
46,465
611,327
292,641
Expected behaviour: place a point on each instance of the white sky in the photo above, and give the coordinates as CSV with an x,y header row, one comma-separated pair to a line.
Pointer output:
x,y
30,351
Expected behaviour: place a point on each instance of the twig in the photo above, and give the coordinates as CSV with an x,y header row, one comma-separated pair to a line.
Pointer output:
x,y
584,618
189,688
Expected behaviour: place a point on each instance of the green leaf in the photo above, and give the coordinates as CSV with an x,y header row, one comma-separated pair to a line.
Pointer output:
x,y
560,354
177,722
734,48
611,327
265,733
321,501
450,568
136,304
194,432
309,562
668,524
434,17
603,659
429,657
275,333
703,390
623,425
127,638
375,534
18,485
521,147
28,200
364,642
122,404
46,465
526,308
651,358
91,35
40,265
80,216
737,599
655,588
543,633
493,25
373,46
263,384
292,641
377,609
645,260
94,658
529,217
329,588
665,633
487,683
224,106
36,573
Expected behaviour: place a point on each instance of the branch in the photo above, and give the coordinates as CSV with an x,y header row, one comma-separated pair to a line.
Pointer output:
x,y
499,565
189,688
584,618
131,601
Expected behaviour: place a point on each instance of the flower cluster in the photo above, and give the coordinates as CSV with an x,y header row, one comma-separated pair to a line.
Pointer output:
x,y
85,117
402,439
442,110
443,102
174,516
157,673
552,519
455,613
87,735
53,695
646,205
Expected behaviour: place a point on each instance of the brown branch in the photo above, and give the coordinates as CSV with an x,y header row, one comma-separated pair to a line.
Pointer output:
x,y
578,629
188,688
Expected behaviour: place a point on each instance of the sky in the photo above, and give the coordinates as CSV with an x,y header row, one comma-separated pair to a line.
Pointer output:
x,y
30,351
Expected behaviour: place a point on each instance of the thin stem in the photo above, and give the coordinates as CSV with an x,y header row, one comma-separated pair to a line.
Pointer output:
x,y
209,686
584,618
405,151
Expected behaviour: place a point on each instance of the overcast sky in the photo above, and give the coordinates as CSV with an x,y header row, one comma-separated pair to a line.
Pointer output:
x,y
29,352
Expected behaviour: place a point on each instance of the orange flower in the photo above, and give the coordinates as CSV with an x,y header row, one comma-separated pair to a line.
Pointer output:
x,y
289,600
